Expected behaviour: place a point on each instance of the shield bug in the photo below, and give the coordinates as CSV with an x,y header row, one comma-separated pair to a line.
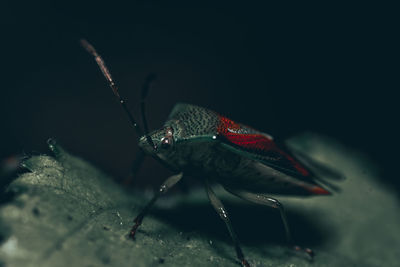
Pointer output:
x,y
199,142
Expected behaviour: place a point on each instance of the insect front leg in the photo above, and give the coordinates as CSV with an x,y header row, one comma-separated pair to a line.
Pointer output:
x,y
136,165
271,202
220,209
170,182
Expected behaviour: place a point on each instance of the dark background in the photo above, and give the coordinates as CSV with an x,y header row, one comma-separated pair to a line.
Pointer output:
x,y
281,68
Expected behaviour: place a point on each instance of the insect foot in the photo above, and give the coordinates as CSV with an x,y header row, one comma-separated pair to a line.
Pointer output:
x,y
138,222
132,233
245,263
309,252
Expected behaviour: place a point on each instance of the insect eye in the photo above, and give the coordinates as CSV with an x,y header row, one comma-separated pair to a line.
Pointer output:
x,y
165,142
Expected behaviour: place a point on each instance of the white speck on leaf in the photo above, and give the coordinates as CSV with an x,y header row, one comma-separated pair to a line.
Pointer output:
x,y
189,246
120,218
10,247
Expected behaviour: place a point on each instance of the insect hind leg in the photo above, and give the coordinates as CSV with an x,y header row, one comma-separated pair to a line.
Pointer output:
x,y
220,209
274,203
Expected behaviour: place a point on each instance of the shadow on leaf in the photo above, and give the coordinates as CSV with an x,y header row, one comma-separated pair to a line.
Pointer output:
x,y
254,225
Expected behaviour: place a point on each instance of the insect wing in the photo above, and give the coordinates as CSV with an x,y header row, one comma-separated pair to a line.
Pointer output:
x,y
261,145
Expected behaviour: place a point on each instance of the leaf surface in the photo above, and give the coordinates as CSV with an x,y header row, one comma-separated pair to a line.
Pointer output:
x,y
65,212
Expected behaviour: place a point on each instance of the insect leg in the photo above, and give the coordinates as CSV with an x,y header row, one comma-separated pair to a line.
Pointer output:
x,y
136,164
220,209
271,202
170,182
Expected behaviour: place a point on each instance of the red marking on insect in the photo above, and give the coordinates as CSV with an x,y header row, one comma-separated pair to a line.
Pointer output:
x,y
317,190
255,142
296,164
226,124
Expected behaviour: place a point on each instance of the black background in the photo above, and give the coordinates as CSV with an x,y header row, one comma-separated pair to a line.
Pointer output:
x,y
281,68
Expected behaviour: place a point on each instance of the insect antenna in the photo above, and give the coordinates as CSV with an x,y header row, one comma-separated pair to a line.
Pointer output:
x,y
145,90
100,62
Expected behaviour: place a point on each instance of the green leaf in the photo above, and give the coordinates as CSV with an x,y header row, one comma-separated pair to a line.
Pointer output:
x,y
65,212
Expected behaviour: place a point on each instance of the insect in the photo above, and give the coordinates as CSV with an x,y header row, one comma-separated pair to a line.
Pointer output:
x,y
199,142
